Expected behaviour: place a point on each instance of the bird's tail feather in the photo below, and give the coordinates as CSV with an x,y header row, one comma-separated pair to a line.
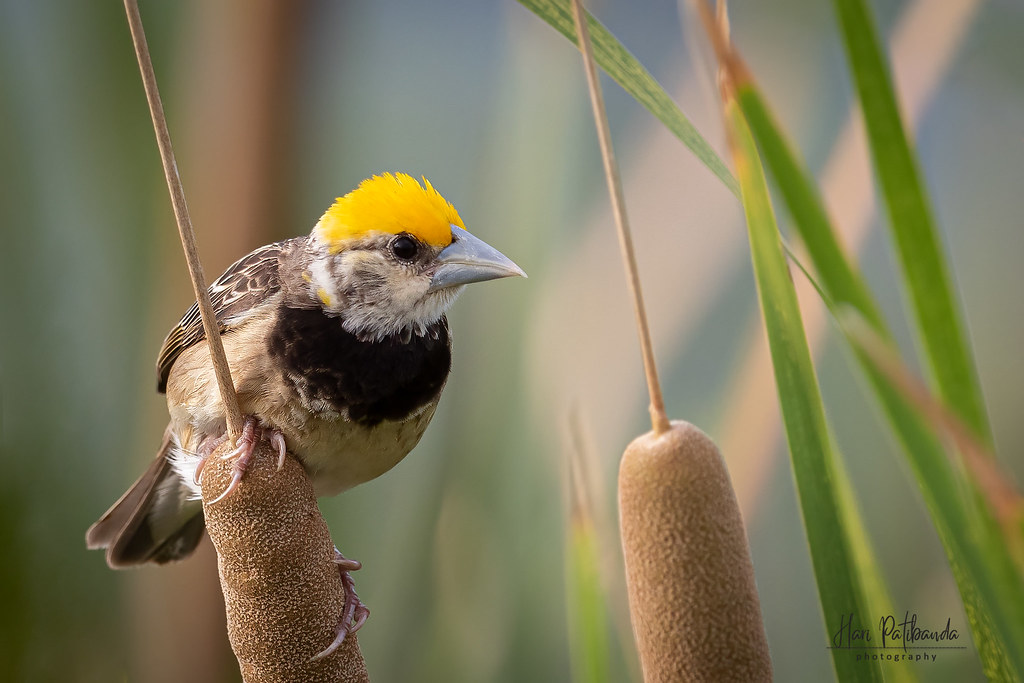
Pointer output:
x,y
154,521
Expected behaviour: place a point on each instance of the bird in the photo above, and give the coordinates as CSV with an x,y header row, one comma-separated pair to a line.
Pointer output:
x,y
339,348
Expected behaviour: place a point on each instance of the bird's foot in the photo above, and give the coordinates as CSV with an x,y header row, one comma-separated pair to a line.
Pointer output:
x,y
205,451
245,446
354,613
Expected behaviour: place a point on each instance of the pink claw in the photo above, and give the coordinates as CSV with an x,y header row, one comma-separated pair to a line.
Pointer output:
x,y
246,440
238,468
277,441
242,454
197,476
354,613
208,447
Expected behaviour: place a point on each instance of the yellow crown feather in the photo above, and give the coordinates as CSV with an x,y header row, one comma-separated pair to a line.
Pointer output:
x,y
390,203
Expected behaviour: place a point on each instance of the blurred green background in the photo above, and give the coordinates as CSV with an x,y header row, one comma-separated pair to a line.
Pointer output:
x,y
276,108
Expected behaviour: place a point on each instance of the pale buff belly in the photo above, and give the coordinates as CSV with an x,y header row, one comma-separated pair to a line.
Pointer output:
x,y
336,452
339,454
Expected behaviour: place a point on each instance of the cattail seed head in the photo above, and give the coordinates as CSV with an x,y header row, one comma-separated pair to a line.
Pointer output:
x,y
282,591
693,602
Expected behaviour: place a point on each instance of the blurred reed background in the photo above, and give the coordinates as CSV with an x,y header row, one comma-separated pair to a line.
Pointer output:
x,y
275,109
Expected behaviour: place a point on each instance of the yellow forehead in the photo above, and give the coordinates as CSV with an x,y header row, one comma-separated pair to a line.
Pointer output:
x,y
390,203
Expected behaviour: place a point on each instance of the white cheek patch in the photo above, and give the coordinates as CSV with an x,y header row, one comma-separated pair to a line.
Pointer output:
x,y
323,282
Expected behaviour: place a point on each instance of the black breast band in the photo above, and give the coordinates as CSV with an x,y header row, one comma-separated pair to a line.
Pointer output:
x,y
374,381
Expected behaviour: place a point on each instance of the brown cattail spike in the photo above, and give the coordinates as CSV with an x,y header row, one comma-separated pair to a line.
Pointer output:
x,y
692,598
282,591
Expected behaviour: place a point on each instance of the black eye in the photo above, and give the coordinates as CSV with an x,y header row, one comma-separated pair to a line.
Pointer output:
x,y
404,247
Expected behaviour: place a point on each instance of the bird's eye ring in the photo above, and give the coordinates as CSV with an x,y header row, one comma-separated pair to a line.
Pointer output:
x,y
404,247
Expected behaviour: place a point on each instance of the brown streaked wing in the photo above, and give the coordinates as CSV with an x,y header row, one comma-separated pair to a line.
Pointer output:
x,y
243,286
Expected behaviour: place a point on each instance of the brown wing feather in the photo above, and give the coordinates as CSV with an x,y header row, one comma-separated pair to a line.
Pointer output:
x,y
243,286
154,504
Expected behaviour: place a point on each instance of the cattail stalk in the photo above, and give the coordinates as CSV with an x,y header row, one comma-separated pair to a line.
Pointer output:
x,y
222,372
281,588
282,591
659,420
692,596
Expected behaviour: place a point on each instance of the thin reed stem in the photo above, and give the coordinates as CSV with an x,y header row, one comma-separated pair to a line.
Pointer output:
x,y
659,420
232,412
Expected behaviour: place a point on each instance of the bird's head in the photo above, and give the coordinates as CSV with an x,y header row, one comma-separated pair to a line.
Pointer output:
x,y
392,255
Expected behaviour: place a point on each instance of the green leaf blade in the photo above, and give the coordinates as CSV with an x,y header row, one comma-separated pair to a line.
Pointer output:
x,y
984,576
839,588
588,624
876,592
841,279
923,264
625,70
984,571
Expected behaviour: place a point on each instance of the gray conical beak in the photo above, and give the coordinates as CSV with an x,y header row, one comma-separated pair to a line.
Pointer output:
x,y
469,259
